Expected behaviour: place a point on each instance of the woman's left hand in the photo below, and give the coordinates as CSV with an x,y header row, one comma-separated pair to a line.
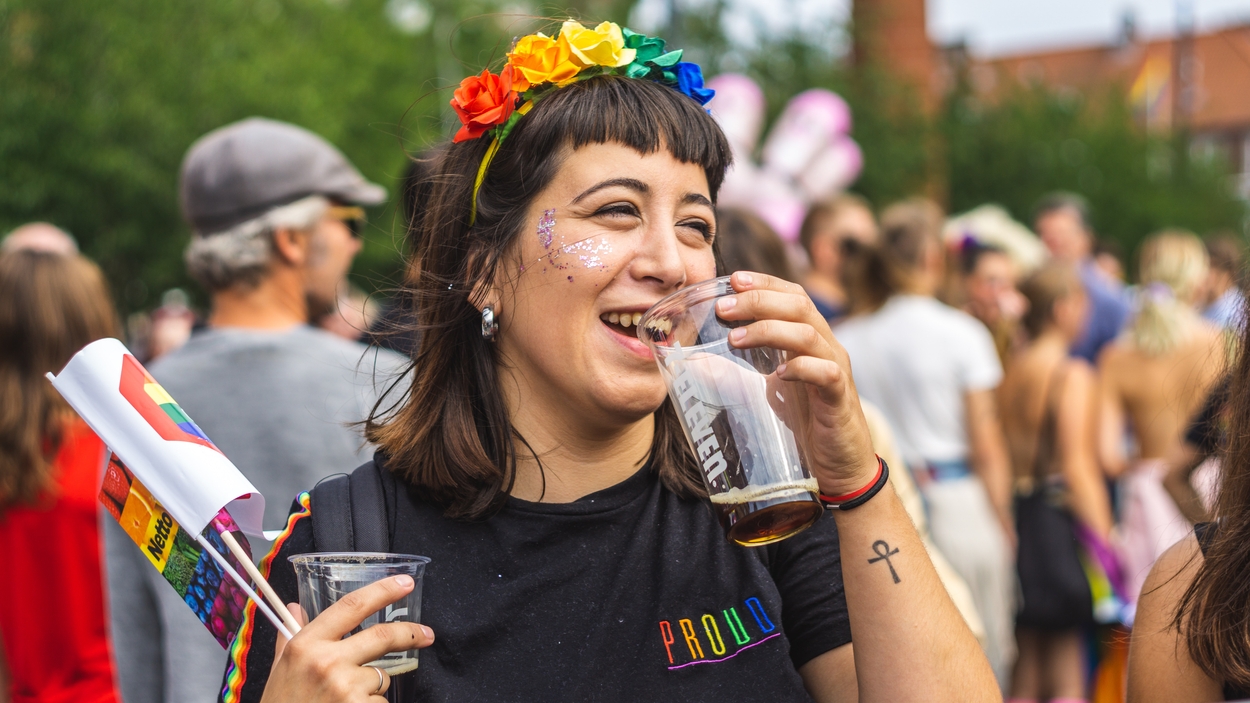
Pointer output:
x,y
839,448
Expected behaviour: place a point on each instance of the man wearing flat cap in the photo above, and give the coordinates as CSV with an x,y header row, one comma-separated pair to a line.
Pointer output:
x,y
276,214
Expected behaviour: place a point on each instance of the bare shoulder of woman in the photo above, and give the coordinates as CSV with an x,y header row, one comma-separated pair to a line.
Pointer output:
x,y
1111,356
1216,341
1080,388
1160,668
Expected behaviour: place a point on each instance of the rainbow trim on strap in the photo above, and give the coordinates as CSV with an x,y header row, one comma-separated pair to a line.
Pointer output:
x,y
538,64
236,669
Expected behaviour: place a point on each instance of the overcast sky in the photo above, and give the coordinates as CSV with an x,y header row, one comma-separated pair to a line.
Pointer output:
x,y
1007,26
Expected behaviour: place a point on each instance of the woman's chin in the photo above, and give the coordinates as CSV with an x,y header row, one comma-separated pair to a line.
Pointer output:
x,y
635,401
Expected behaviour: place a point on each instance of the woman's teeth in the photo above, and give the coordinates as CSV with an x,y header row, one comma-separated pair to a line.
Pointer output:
x,y
629,319
624,319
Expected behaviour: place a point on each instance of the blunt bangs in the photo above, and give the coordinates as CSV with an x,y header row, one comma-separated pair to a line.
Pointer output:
x,y
639,114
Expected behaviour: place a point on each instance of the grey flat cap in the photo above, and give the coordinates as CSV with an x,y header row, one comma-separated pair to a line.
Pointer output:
x,y
240,171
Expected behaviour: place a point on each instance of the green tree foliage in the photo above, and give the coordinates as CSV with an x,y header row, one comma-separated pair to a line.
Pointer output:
x,y
1033,141
888,123
100,100
1013,151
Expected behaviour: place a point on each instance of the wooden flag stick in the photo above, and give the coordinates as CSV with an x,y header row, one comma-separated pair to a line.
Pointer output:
x,y
242,582
260,581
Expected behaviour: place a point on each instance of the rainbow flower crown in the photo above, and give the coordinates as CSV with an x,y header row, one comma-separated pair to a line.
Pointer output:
x,y
539,64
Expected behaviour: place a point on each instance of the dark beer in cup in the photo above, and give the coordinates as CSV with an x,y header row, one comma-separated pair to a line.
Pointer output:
x,y
739,417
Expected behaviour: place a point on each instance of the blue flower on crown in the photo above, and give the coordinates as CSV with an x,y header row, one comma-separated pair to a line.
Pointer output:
x,y
690,82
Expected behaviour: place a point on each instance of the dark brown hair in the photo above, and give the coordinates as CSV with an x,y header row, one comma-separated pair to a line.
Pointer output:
x,y
1053,282
1226,253
450,435
873,273
747,243
1214,614
1052,202
826,211
51,305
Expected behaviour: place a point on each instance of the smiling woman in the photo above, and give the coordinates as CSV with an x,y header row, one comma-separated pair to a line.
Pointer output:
x,y
536,460
598,151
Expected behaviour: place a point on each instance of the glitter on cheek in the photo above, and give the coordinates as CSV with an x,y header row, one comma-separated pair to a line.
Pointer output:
x,y
591,259
546,228
570,279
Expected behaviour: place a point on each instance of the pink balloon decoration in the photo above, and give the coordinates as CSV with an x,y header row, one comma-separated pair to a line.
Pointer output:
x,y
739,108
808,155
832,170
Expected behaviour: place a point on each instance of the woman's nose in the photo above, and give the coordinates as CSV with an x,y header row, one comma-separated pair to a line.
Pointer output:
x,y
659,257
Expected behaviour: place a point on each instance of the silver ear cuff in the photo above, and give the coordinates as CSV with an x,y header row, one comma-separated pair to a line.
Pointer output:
x,y
490,327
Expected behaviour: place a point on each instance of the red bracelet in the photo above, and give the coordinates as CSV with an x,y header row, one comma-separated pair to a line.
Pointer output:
x,y
847,497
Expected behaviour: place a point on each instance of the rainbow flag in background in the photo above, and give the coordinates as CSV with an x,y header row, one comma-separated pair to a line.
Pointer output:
x,y
1150,89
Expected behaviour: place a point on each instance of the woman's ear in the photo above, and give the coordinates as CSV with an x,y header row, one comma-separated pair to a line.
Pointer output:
x,y
483,297
483,293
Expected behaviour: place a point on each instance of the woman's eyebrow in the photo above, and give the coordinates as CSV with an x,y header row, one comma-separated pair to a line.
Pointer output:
x,y
631,183
696,199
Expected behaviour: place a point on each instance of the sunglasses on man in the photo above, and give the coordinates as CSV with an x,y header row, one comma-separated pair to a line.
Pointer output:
x,y
352,216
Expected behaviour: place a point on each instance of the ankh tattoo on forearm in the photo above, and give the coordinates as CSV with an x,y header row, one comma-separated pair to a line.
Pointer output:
x,y
883,552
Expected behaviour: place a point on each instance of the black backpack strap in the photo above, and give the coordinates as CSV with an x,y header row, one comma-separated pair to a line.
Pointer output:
x,y
369,524
330,501
350,512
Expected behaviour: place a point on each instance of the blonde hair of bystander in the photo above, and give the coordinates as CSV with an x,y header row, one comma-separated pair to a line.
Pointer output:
x,y
1171,269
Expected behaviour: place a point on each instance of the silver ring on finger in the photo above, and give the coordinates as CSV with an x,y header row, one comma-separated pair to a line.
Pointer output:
x,y
381,681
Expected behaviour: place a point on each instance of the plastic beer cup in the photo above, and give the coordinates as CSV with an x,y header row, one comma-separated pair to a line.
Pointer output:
x,y
326,577
742,421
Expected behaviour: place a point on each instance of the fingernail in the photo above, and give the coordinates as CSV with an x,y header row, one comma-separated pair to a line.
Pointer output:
x,y
744,278
428,632
726,304
737,335
403,581
781,370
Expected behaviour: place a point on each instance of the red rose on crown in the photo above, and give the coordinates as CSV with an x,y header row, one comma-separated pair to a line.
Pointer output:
x,y
483,103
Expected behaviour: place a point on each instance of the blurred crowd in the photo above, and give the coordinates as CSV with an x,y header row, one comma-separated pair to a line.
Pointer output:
x,y
1019,371
1006,369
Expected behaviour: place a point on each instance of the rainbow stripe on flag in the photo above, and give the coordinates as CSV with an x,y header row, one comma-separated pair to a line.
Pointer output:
x,y
156,406
158,395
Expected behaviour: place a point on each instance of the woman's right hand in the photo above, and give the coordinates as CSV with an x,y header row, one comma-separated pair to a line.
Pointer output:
x,y
317,664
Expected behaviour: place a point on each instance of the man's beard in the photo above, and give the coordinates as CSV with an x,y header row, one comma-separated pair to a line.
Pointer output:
x,y
319,307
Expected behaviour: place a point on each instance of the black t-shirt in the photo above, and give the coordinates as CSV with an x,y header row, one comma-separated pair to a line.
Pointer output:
x,y
628,594
1208,430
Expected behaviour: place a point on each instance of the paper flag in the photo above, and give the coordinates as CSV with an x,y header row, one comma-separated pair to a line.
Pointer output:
x,y
188,567
156,440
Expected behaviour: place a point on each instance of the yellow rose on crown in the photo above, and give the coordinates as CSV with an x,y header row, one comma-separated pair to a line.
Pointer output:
x,y
602,46
538,59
